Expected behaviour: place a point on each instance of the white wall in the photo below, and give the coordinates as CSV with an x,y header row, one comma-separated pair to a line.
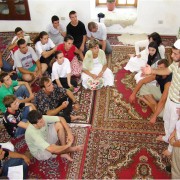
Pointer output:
x,y
149,12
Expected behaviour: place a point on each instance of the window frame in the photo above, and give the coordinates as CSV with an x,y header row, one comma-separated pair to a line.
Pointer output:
x,y
12,11
118,4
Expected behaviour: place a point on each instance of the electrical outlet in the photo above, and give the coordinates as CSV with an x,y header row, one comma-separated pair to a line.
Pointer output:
x,y
160,21
63,18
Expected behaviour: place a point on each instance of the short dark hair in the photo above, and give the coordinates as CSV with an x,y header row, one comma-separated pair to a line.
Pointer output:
x,y
56,53
54,18
43,80
2,76
17,30
71,13
21,42
68,37
34,116
163,61
8,100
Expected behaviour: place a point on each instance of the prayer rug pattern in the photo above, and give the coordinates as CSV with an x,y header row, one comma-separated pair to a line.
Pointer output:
x,y
124,155
112,109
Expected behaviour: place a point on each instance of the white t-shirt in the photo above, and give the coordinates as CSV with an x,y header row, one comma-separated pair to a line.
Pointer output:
x,y
25,60
39,47
60,70
26,38
54,33
101,33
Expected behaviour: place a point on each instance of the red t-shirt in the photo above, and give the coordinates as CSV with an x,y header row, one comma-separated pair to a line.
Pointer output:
x,y
67,54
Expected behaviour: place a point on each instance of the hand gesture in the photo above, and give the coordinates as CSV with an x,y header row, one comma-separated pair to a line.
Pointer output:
x,y
64,104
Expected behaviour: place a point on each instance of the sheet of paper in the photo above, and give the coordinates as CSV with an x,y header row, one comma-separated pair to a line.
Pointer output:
x,y
15,172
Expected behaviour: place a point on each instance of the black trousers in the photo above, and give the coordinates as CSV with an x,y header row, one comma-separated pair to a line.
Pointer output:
x,y
48,62
67,111
65,83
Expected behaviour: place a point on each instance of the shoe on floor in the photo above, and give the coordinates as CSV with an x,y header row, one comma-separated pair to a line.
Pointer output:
x,y
168,168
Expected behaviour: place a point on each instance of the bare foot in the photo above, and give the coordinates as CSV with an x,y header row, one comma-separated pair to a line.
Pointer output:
x,y
67,156
73,118
166,153
76,148
160,138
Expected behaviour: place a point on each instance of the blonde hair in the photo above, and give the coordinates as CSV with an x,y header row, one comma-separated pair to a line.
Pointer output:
x,y
93,43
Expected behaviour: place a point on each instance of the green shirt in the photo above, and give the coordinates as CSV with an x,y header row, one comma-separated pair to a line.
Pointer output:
x,y
88,59
37,139
4,91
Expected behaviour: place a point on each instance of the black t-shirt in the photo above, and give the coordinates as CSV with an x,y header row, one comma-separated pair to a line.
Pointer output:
x,y
162,81
77,32
11,120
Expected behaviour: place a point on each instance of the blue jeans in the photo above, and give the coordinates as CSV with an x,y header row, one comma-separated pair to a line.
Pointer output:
x,y
15,162
6,66
20,131
22,92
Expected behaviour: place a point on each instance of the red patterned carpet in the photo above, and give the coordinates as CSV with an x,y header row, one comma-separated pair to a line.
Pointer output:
x,y
54,168
124,155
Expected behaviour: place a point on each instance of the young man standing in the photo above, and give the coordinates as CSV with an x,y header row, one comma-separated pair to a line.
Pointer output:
x,y
78,31
98,31
56,30
43,133
170,116
24,59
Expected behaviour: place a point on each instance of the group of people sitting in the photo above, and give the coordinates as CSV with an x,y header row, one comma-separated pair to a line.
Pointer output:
x,y
65,56
59,60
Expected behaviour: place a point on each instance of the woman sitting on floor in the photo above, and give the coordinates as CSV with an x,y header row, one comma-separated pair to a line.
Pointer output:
x,y
140,59
69,51
153,58
45,49
61,72
95,72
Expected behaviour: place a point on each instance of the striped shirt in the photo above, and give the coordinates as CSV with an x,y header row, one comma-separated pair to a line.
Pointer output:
x,y
174,90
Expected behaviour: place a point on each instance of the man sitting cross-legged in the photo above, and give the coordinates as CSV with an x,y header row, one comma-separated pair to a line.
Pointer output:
x,y
150,93
43,133
56,101
27,63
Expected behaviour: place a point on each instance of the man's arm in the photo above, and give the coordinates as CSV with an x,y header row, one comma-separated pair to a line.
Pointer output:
x,y
54,112
77,51
161,103
103,43
83,43
70,95
39,67
46,54
18,155
148,70
139,85
69,79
